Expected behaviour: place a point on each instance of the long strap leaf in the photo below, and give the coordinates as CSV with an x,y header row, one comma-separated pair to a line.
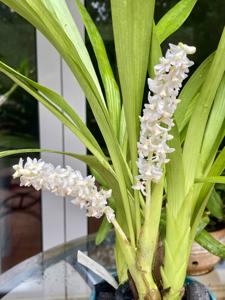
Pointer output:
x,y
213,179
207,241
90,160
58,100
155,52
214,150
174,18
216,169
109,82
215,124
200,115
132,32
175,174
81,132
189,93
215,205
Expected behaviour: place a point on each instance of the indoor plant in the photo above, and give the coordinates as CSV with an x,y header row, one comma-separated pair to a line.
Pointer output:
x,y
185,177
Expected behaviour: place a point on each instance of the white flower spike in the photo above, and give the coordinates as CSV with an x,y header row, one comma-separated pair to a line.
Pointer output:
x,y
65,182
157,119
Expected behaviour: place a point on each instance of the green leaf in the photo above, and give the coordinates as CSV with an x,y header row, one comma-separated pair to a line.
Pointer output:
x,y
56,104
207,241
204,222
121,266
198,121
190,93
213,179
177,247
215,149
174,18
57,100
219,186
206,189
155,52
149,234
215,125
215,205
123,137
175,174
132,22
109,82
100,180
90,160
103,231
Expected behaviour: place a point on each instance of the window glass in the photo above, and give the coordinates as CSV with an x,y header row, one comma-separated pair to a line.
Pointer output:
x,y
20,213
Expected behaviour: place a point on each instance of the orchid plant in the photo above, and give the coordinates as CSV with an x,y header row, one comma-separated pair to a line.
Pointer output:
x,y
164,157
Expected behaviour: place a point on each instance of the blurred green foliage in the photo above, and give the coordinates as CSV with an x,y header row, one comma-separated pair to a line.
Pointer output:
x,y
19,114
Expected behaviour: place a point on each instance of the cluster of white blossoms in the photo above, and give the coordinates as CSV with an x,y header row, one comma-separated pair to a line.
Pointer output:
x,y
157,119
65,182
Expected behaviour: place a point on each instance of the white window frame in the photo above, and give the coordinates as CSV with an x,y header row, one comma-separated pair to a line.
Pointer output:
x,y
61,221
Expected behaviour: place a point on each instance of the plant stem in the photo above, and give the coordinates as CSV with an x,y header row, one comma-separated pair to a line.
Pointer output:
x,y
149,232
137,213
144,283
119,230
176,248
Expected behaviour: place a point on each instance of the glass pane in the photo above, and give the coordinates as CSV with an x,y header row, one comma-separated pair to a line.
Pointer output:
x,y
20,213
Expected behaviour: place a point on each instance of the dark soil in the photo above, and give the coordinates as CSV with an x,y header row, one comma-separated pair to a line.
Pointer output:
x,y
105,292
193,291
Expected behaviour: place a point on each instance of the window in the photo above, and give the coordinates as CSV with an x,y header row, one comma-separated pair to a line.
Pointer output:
x,y
20,208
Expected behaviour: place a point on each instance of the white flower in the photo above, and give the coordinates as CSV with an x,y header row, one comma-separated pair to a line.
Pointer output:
x,y
109,212
157,119
65,182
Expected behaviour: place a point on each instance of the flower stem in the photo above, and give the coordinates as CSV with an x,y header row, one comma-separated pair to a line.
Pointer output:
x,y
144,283
137,213
119,230
149,233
